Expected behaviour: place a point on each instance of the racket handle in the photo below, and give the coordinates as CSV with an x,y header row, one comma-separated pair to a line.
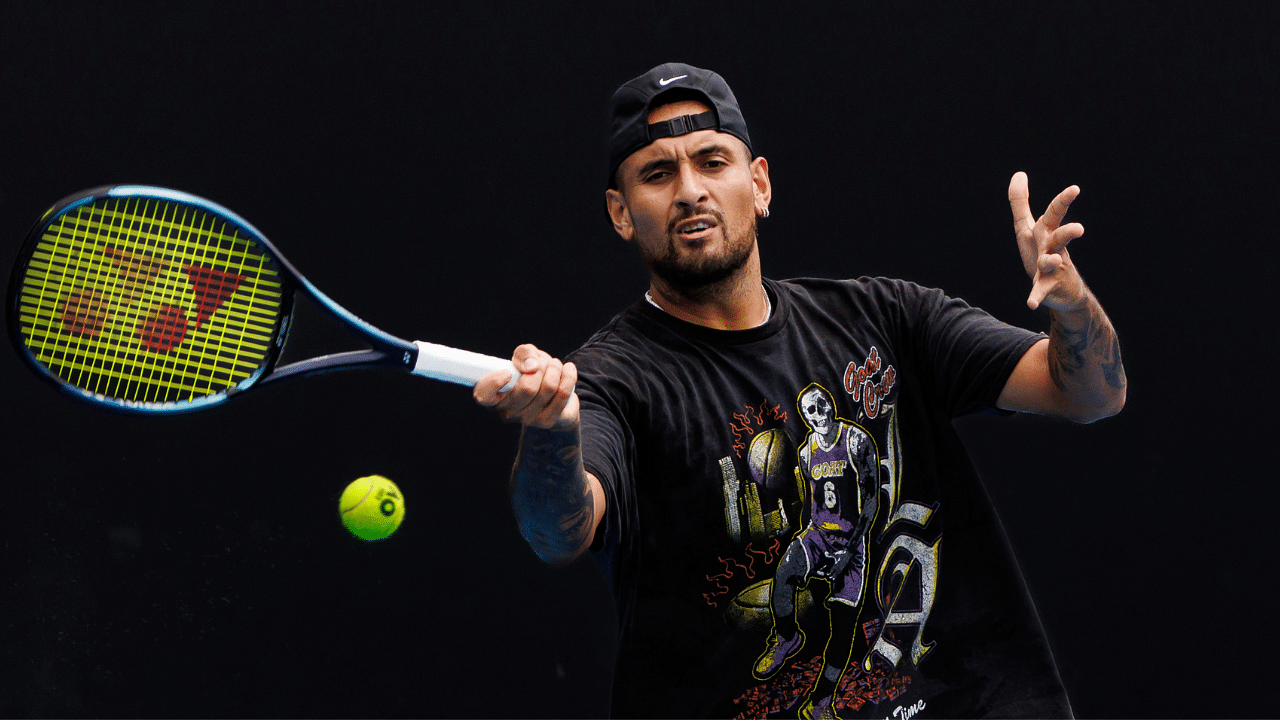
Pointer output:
x,y
459,366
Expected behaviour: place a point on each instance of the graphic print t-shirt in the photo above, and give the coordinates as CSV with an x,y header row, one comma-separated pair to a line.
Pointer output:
x,y
836,499
696,436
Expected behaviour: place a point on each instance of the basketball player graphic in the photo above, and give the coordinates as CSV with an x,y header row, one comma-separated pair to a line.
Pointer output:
x,y
838,458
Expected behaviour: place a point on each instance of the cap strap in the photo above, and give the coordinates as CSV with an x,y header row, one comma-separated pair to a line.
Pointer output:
x,y
682,125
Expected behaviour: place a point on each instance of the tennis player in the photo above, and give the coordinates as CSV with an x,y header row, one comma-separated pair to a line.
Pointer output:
x,y
906,599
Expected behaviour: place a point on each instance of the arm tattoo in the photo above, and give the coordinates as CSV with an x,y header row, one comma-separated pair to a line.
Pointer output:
x,y
1076,351
549,493
1112,369
1068,346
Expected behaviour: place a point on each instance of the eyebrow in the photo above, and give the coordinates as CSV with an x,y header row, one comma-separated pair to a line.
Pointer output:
x,y
712,149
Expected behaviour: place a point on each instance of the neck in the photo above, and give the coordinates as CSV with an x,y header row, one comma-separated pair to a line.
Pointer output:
x,y
738,302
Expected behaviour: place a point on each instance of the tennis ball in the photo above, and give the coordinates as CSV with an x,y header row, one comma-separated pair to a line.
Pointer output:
x,y
371,507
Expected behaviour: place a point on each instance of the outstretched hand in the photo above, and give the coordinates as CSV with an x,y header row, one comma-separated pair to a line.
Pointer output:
x,y
543,395
1055,282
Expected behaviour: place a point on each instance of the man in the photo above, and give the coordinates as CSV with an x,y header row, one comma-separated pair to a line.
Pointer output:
x,y
662,444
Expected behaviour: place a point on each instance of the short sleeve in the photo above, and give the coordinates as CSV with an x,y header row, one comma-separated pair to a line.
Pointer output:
x,y
966,353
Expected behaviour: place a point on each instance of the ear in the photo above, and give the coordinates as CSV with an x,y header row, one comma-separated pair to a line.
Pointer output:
x,y
762,189
616,205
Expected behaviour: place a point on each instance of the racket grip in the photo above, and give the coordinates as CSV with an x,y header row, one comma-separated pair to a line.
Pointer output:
x,y
459,366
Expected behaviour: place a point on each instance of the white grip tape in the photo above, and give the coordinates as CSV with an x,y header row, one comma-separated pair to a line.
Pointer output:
x,y
459,366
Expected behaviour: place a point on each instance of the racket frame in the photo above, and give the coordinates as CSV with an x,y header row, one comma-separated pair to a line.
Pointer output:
x,y
388,351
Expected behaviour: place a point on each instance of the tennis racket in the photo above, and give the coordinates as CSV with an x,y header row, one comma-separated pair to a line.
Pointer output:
x,y
149,300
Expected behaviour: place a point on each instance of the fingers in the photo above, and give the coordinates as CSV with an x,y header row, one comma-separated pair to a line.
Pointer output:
x,y
540,375
1058,208
1057,284
557,398
1059,238
1019,202
486,392
525,354
1043,245
1044,282
543,394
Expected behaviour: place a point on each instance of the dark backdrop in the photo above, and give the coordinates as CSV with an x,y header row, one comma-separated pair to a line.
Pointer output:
x,y
439,172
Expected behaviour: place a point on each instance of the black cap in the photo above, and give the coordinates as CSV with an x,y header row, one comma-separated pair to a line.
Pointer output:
x,y
629,109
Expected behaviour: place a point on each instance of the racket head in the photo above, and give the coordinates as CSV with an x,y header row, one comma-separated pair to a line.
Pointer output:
x,y
148,300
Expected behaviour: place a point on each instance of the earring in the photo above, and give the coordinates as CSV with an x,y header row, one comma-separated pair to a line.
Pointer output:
x,y
764,213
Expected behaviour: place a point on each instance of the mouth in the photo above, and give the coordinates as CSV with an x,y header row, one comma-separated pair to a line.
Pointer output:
x,y
695,228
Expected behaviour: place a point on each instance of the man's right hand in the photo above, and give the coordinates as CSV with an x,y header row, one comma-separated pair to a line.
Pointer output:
x,y
558,504
543,395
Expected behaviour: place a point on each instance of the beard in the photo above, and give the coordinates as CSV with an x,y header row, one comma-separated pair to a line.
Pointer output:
x,y
700,276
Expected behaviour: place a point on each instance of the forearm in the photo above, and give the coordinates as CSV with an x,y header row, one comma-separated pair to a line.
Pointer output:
x,y
552,499
1084,361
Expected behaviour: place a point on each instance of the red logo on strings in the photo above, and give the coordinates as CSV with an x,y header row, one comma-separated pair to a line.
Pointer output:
x,y
166,325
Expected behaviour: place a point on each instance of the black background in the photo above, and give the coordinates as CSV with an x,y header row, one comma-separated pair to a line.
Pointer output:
x,y
439,172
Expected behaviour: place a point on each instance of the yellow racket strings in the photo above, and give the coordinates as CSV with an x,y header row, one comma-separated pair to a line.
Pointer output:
x,y
149,301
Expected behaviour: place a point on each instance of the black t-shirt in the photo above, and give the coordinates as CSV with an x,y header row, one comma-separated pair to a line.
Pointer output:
x,y
696,435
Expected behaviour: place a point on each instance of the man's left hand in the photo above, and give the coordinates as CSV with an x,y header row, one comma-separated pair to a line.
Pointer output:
x,y
1043,244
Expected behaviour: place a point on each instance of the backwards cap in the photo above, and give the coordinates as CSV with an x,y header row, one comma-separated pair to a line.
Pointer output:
x,y
630,106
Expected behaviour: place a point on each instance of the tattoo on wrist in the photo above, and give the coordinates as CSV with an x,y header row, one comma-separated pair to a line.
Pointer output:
x,y
549,493
1069,345
1093,342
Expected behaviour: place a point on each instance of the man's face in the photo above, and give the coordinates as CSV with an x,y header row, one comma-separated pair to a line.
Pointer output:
x,y
817,411
690,203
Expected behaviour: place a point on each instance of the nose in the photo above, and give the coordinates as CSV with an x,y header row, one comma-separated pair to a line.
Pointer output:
x,y
691,191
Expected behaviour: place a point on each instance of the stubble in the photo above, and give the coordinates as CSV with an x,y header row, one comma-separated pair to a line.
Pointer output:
x,y
702,275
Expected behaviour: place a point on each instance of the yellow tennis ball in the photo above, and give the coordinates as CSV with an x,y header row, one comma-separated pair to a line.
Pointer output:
x,y
371,507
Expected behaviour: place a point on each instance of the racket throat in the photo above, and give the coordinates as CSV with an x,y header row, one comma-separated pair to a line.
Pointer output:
x,y
355,360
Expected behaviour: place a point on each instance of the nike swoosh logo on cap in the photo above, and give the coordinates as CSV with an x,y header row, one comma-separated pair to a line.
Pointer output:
x,y
668,81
